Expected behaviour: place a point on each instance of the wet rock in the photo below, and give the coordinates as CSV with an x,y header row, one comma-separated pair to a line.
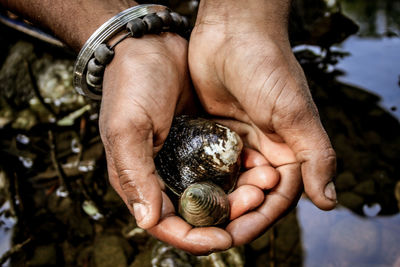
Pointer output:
x,y
373,138
70,253
6,113
25,120
44,256
262,242
58,205
319,23
233,257
280,244
365,188
345,181
15,83
133,233
91,209
55,84
4,187
397,193
382,178
157,254
288,248
112,197
84,256
350,200
109,251
39,81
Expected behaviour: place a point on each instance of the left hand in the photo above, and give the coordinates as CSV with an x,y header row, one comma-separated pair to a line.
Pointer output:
x,y
244,72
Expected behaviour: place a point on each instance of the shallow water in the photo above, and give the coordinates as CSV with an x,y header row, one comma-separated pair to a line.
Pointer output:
x,y
374,65
350,236
342,238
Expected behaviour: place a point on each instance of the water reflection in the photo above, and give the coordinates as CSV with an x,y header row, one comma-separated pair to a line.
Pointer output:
x,y
341,238
374,64
376,18
7,222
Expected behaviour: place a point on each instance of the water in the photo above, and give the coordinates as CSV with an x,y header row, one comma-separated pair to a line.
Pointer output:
x,y
374,65
342,238
350,236
7,224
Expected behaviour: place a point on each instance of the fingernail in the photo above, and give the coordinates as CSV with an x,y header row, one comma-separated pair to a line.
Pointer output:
x,y
330,191
140,211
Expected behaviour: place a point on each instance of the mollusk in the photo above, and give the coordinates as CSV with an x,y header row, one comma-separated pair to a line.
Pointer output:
x,y
200,162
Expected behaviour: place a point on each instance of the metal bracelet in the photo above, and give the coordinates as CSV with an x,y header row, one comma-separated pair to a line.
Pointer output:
x,y
101,35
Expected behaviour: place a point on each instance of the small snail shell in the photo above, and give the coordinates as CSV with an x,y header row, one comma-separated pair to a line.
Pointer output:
x,y
204,204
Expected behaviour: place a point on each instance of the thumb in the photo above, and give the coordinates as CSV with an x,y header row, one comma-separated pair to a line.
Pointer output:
x,y
302,130
132,172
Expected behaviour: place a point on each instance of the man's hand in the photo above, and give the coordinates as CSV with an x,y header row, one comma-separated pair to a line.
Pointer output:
x,y
244,71
145,85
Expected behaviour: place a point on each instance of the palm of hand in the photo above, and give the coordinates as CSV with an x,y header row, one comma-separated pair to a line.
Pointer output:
x,y
256,87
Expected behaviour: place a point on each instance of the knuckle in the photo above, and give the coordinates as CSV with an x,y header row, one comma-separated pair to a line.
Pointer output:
x,y
328,155
110,130
128,184
114,130
294,106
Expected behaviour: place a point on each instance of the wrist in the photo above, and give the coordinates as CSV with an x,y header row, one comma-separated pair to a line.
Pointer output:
x,y
72,21
268,16
95,16
137,21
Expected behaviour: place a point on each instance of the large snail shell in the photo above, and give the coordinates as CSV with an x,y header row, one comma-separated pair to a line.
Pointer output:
x,y
196,151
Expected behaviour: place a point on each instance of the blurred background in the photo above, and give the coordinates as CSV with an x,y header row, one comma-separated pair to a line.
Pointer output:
x,y
58,209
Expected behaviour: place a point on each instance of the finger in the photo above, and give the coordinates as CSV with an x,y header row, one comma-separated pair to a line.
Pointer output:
x,y
198,241
264,177
249,226
114,181
243,199
311,145
252,158
131,153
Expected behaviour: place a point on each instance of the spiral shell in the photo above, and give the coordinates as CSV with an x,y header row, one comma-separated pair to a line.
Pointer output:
x,y
205,153
204,204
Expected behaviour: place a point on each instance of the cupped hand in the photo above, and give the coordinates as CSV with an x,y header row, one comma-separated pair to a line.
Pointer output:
x,y
144,86
244,72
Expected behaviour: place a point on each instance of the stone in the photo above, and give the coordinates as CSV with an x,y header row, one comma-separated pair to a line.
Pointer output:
x,y
109,251
350,200
45,255
365,188
345,181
